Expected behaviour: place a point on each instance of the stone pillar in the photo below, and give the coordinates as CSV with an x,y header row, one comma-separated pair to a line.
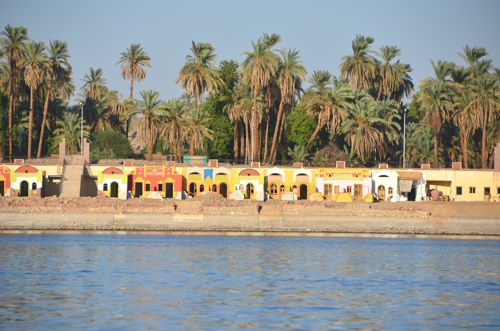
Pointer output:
x,y
62,150
86,151
340,164
383,166
255,165
456,165
213,163
298,165
425,166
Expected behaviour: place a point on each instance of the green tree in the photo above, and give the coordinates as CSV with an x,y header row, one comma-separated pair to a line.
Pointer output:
x,y
95,84
291,74
151,109
360,68
436,105
12,44
258,68
110,144
58,78
200,73
33,61
134,62
363,129
197,123
485,95
174,126
69,128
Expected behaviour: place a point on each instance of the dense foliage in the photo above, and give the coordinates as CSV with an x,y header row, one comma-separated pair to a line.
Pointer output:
x,y
258,110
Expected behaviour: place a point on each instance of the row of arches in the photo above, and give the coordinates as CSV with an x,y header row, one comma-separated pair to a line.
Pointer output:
x,y
276,191
194,189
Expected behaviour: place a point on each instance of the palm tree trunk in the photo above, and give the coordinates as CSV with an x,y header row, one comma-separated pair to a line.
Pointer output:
x,y
30,123
315,134
132,74
272,157
484,150
436,145
11,113
149,139
44,119
235,141
247,148
242,140
254,126
191,148
266,140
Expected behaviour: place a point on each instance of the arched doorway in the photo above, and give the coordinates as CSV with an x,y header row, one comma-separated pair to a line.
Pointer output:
x,y
138,189
223,190
250,191
114,190
192,189
2,188
214,188
303,192
169,190
381,193
24,189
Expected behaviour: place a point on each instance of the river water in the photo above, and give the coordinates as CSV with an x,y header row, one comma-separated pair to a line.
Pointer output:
x,y
166,282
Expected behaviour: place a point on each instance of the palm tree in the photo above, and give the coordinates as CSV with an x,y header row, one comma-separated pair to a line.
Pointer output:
x,y
464,117
174,125
360,68
258,68
485,95
363,129
291,75
328,105
58,74
436,104
390,75
12,44
198,123
95,84
69,128
473,58
33,61
151,109
124,110
200,73
134,61
298,154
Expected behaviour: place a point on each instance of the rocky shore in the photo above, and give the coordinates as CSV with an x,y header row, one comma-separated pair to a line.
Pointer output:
x,y
211,212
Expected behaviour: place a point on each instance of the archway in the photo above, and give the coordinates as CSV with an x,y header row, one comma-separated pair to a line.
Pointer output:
x,y
223,190
250,191
169,190
381,193
114,190
192,189
303,192
24,189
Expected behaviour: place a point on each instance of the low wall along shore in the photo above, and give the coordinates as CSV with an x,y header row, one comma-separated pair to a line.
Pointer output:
x,y
218,214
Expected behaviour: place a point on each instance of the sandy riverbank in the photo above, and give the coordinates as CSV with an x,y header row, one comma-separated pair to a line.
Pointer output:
x,y
213,213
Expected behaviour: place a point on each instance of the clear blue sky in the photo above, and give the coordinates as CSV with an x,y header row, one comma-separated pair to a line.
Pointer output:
x,y
98,31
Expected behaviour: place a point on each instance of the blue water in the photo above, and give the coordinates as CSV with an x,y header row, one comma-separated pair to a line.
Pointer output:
x,y
136,282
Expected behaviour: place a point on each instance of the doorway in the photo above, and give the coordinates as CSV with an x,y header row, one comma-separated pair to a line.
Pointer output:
x,y
358,192
250,191
223,190
381,193
303,192
2,188
169,190
114,190
24,189
138,190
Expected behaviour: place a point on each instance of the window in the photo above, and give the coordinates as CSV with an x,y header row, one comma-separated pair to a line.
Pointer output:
x,y
105,187
148,187
214,188
274,189
390,190
337,190
282,188
498,190
459,190
202,188
33,186
160,187
328,189
487,191
472,189
349,189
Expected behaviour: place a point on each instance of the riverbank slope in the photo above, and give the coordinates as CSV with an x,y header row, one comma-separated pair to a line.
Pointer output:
x,y
213,213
